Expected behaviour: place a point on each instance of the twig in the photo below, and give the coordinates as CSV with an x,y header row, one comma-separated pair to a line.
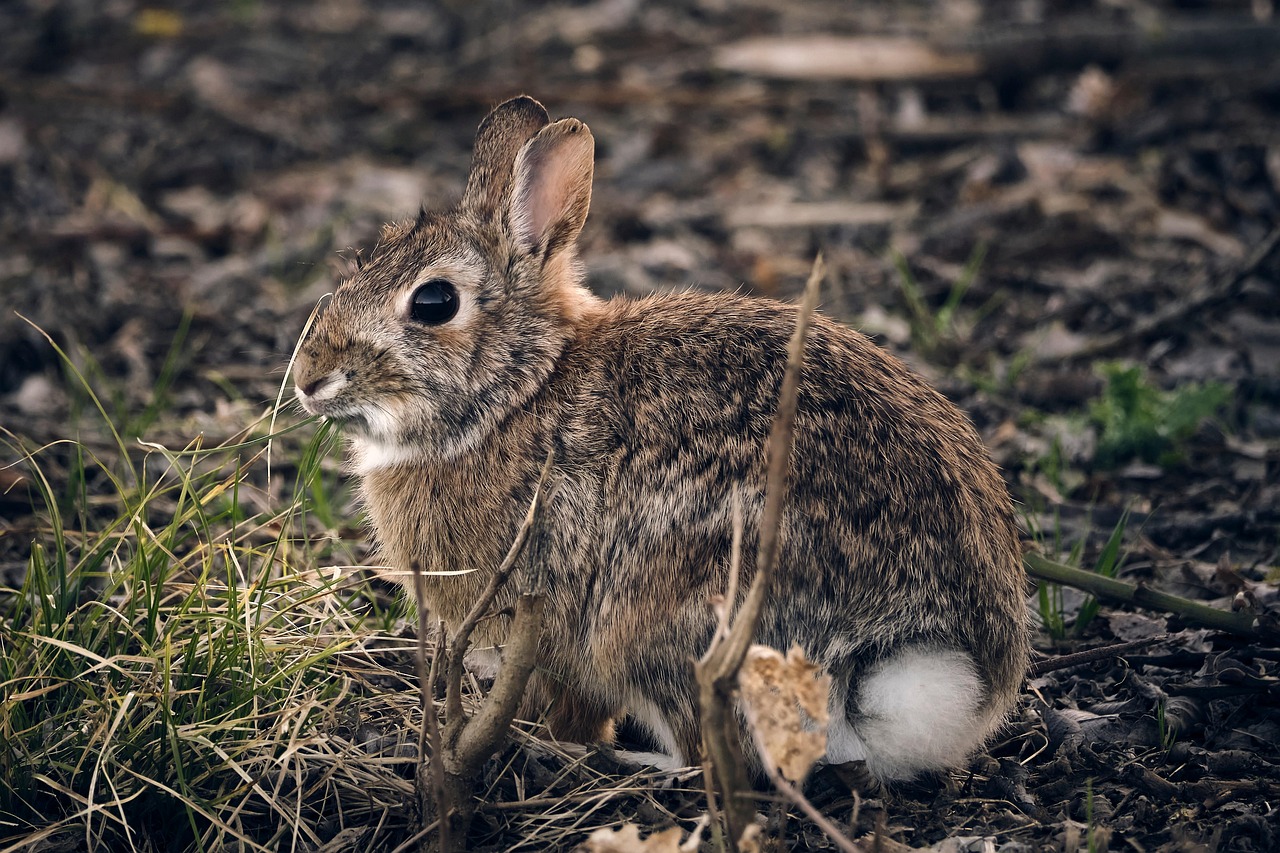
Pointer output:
x,y
430,732
467,742
780,440
427,784
717,671
723,612
1205,298
1058,662
1241,624
462,637
481,735
796,796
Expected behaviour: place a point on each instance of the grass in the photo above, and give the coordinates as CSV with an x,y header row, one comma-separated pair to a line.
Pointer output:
x,y
935,329
1049,596
183,667
190,662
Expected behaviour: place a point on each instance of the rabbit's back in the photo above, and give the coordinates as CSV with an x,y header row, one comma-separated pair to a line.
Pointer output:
x,y
897,530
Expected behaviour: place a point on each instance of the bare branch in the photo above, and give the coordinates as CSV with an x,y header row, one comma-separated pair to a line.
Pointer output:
x,y
780,441
735,567
462,637
1052,664
795,795
1242,624
429,783
431,728
717,671
483,733
519,656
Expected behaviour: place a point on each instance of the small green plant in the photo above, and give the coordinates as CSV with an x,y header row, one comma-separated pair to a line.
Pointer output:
x,y
1097,840
1052,618
1137,420
1108,564
1168,733
933,329
1049,598
1051,607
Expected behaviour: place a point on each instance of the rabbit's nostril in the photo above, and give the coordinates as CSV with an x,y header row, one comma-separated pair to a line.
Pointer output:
x,y
310,388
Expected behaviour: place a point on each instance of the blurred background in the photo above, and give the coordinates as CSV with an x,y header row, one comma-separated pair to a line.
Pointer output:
x,y
1062,211
1065,213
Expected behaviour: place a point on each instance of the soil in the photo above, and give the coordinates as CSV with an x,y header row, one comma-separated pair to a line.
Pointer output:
x,y
207,171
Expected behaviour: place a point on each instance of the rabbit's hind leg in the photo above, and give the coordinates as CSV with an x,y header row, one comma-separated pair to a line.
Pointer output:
x,y
919,710
572,715
675,733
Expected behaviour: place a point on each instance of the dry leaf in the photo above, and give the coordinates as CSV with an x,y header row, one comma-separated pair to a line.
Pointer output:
x,y
627,840
785,700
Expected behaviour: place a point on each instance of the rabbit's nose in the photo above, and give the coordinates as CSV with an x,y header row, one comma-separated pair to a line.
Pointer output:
x,y
321,387
310,388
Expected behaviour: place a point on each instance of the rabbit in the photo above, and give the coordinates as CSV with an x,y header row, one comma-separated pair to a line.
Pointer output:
x,y
466,348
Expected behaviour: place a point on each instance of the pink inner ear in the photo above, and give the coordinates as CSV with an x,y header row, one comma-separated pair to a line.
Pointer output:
x,y
548,195
552,186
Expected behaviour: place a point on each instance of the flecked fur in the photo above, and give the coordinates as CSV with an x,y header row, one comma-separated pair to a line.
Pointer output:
x,y
898,535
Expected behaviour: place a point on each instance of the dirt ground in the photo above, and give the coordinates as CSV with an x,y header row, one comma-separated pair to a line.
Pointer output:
x,y
1110,170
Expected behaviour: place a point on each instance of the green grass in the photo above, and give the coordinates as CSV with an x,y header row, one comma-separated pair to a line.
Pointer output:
x,y
935,329
182,666
1049,597
190,660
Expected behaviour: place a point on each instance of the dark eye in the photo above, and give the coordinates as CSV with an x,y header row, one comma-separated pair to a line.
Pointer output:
x,y
435,302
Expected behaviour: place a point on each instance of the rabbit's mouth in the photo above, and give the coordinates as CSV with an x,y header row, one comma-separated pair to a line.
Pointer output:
x,y
348,421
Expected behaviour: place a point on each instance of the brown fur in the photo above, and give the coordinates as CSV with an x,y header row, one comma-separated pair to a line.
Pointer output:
x,y
898,530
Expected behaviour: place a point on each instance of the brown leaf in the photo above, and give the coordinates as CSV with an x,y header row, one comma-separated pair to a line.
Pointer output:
x,y
821,57
628,840
785,700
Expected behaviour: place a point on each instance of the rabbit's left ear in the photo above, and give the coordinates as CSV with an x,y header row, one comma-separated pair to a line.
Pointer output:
x,y
501,136
551,188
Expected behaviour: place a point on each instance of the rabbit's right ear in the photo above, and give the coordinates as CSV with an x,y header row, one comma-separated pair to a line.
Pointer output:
x,y
551,188
501,136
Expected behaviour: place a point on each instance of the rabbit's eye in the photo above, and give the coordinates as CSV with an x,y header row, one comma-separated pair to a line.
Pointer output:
x,y
435,302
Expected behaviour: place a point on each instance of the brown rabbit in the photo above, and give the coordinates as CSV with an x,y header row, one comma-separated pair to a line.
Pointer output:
x,y
467,347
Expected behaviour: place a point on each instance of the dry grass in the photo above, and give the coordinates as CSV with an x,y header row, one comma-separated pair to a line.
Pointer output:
x,y
192,663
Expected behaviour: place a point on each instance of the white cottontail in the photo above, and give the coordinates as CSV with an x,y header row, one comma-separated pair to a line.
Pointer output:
x,y
467,347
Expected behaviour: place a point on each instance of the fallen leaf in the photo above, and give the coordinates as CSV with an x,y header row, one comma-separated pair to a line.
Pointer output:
x,y
844,58
628,840
785,700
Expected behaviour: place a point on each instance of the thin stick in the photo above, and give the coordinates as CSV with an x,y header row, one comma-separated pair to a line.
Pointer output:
x,y
434,781
1057,662
722,630
481,735
1241,624
431,725
780,440
717,671
833,832
735,565
462,637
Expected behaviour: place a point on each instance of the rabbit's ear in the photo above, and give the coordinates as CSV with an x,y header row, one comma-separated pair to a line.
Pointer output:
x,y
552,187
499,139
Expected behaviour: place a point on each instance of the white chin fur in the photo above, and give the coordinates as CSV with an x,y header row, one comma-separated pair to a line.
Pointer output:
x,y
370,454
918,711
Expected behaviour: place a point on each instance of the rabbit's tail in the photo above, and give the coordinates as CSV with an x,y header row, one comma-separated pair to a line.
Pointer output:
x,y
920,710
